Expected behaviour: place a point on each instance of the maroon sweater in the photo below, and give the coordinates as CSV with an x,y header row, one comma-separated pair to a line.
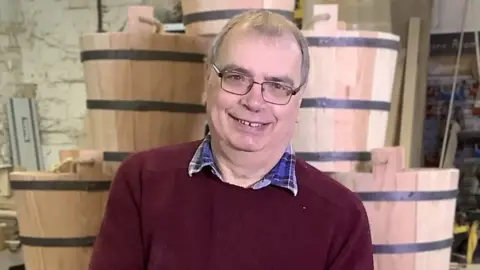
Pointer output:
x,y
159,218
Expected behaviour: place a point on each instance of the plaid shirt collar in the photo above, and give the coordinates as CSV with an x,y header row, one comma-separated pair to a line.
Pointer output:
x,y
282,175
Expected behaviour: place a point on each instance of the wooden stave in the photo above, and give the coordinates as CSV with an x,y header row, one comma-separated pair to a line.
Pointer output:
x,y
226,14
48,184
43,247
402,253
348,159
201,18
193,55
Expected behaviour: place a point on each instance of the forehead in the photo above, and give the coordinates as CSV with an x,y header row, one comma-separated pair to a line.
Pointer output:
x,y
264,55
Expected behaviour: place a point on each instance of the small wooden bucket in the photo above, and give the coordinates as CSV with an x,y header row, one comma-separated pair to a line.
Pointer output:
x,y
411,212
60,212
344,112
144,89
206,17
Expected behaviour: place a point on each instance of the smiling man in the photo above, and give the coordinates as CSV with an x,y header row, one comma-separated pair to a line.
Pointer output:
x,y
239,199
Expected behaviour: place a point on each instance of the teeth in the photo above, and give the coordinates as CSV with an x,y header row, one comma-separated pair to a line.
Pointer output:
x,y
246,123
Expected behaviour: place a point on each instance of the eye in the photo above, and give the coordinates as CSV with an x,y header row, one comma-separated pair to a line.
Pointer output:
x,y
235,77
280,87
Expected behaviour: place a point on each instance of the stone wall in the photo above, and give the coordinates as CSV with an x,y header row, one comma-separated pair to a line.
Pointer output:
x,y
10,66
39,57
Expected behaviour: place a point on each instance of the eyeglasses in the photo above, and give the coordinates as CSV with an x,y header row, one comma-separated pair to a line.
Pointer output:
x,y
240,84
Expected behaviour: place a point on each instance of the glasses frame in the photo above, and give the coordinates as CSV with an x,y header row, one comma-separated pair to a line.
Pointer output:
x,y
220,74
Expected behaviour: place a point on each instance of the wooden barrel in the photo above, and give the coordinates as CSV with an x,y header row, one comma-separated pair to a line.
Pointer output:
x,y
344,112
60,212
411,212
206,17
144,90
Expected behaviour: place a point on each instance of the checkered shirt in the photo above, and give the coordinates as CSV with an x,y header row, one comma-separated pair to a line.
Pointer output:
x,y
282,175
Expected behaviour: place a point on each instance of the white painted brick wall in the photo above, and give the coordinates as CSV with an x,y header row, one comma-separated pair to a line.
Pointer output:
x,y
42,49
10,71
50,58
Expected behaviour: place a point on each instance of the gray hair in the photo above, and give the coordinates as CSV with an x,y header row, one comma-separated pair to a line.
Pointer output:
x,y
265,23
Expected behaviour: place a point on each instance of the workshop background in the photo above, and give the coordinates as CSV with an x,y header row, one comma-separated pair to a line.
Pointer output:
x,y
39,62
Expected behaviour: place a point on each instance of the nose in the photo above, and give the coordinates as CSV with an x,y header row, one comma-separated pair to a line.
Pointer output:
x,y
253,100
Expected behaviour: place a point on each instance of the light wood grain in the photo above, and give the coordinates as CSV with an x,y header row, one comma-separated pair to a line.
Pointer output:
x,y
150,80
59,214
409,221
212,26
401,12
347,73
394,117
409,112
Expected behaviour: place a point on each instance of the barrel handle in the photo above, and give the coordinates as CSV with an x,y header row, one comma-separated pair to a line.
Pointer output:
x,y
324,19
317,18
153,22
69,165
141,18
13,245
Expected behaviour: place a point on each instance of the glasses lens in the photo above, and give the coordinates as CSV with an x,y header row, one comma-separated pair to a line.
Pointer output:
x,y
277,93
236,83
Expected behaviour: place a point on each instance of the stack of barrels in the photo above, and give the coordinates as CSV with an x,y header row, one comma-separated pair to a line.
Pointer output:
x,y
342,131
144,90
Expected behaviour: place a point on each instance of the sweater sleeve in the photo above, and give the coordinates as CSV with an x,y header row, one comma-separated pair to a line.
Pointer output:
x,y
119,242
352,248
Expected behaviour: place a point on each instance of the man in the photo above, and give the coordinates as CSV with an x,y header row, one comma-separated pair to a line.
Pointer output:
x,y
239,199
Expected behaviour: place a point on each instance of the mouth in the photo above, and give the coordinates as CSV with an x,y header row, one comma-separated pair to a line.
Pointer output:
x,y
249,123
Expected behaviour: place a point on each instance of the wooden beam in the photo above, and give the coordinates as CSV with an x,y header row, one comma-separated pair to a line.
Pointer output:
x,y
409,111
394,116
401,12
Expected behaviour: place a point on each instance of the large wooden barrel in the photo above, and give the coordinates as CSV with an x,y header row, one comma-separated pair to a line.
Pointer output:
x,y
60,212
206,17
144,90
344,112
411,212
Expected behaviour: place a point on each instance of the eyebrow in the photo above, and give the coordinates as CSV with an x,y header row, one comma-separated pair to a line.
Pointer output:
x,y
237,68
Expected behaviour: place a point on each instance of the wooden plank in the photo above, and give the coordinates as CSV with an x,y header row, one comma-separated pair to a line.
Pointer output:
x,y
451,146
409,115
401,12
5,189
393,128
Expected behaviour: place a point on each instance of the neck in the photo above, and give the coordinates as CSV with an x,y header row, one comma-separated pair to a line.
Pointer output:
x,y
244,168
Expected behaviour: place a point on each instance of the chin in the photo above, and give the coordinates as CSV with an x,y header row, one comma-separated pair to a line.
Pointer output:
x,y
247,146
247,142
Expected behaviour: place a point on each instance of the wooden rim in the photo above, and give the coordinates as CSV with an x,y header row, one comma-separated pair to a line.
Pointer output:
x,y
412,247
115,156
354,104
60,185
87,241
144,105
141,55
354,42
225,14
334,156
407,196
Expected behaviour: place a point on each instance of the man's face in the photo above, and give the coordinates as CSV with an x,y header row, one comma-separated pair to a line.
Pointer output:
x,y
247,122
